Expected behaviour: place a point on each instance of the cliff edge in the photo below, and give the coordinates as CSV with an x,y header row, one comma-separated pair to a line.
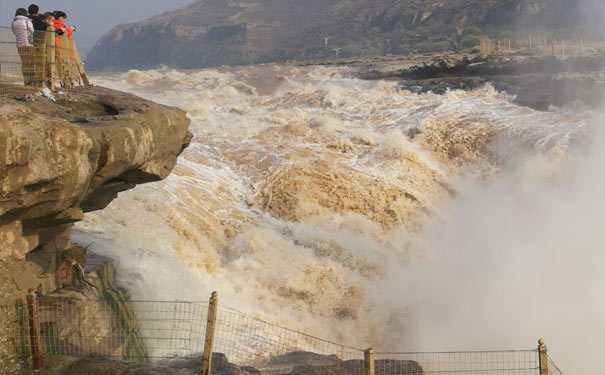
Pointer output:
x,y
60,159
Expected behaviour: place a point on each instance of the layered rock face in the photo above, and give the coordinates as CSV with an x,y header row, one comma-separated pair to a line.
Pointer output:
x,y
59,160
216,32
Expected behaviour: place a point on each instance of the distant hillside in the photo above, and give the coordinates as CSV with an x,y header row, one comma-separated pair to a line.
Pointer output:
x,y
239,32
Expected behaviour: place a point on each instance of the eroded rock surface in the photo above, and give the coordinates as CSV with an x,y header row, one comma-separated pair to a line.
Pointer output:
x,y
59,160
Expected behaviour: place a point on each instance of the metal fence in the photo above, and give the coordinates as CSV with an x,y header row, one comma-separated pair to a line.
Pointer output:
x,y
52,60
153,332
539,45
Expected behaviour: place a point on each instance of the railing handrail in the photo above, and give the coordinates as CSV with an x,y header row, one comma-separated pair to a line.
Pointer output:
x,y
51,59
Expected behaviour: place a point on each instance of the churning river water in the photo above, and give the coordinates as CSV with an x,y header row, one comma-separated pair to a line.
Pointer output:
x,y
371,216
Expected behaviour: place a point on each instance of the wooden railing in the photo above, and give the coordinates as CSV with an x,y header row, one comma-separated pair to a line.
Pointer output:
x,y
51,61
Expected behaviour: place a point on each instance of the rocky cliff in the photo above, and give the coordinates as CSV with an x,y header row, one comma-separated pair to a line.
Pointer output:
x,y
60,159
216,32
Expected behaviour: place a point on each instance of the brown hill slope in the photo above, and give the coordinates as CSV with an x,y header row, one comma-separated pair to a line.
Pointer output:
x,y
232,32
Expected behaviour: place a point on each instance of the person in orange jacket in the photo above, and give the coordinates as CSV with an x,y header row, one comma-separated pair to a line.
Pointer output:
x,y
60,28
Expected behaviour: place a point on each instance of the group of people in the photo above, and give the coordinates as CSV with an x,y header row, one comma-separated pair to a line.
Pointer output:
x,y
30,20
30,27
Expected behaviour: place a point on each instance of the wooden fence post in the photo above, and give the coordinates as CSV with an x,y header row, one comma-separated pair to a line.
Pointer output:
x,y
65,61
52,74
368,361
210,326
543,358
79,67
34,330
553,47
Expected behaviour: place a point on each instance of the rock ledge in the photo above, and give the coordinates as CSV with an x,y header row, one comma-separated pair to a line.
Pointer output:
x,y
61,159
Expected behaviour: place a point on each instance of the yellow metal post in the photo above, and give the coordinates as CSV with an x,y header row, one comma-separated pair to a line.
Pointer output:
x,y
65,61
52,74
543,357
210,326
34,330
79,67
368,362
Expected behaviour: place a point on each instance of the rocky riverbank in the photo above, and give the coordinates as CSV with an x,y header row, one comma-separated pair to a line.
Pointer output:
x,y
61,157
536,80
294,363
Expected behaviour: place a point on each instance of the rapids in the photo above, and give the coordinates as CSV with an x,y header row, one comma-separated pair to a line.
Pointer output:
x,y
368,215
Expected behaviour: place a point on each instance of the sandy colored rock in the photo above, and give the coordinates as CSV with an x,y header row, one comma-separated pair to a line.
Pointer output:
x,y
59,160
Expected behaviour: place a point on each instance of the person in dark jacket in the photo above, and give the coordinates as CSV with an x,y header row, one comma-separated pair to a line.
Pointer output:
x,y
37,21
39,31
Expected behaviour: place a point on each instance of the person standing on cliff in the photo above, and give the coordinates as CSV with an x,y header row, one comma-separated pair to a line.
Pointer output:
x,y
39,32
34,15
60,17
24,32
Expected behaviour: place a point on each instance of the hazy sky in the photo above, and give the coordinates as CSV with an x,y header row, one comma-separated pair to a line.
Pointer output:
x,y
93,18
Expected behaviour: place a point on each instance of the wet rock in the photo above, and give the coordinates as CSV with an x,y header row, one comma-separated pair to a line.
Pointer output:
x,y
304,359
384,366
536,81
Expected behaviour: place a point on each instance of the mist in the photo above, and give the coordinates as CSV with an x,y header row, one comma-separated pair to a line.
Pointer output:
x,y
517,260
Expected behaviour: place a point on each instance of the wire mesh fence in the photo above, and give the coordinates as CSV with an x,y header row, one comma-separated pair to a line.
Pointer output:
x,y
49,59
552,368
133,330
539,45
156,331
249,341
520,362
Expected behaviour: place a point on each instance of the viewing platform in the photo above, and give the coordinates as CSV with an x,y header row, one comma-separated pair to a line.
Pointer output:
x,y
52,61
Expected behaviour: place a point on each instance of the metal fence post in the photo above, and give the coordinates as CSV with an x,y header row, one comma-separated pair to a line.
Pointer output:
x,y
65,74
34,330
52,72
207,357
543,358
79,67
368,361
